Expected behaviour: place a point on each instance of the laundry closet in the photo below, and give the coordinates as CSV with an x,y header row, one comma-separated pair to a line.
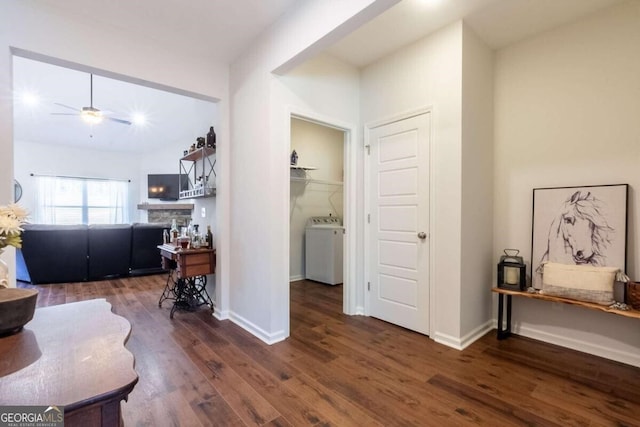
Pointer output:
x,y
316,202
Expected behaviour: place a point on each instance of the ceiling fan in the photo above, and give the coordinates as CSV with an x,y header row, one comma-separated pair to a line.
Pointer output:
x,y
90,114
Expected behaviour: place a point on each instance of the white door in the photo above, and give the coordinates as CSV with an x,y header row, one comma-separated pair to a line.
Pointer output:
x,y
399,223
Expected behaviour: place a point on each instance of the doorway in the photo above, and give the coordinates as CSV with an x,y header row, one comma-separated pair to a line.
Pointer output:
x,y
317,190
398,222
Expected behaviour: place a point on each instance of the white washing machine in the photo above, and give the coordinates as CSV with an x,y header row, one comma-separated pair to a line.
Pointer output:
x,y
323,249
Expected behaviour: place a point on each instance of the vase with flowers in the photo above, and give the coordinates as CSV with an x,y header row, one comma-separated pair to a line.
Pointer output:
x,y
16,305
12,218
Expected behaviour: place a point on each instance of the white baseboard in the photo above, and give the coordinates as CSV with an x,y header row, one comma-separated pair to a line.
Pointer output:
x,y
359,311
477,333
460,343
579,345
256,330
296,278
448,340
221,315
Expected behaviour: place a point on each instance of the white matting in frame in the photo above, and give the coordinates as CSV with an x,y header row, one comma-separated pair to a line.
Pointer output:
x,y
579,225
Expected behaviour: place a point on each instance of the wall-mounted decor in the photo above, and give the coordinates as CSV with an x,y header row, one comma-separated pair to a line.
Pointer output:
x,y
579,225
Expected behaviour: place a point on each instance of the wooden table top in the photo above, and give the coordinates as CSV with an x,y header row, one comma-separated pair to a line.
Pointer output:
x,y
71,354
626,313
175,250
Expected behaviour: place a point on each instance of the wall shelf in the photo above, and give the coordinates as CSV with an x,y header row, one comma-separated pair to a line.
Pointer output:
x,y
299,174
315,181
198,178
306,168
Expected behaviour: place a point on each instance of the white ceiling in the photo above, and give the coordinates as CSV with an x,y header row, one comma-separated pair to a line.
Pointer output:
x,y
170,117
229,26
217,29
498,22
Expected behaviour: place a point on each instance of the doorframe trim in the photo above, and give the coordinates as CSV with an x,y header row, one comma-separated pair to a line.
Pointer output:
x,y
368,127
349,189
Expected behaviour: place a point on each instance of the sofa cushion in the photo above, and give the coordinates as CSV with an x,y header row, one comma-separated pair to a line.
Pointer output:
x,y
55,253
109,250
145,256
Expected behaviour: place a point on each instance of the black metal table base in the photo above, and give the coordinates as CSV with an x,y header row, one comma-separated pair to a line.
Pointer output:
x,y
504,331
186,293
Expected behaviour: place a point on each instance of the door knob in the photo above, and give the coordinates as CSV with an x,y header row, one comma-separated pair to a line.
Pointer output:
x,y
422,235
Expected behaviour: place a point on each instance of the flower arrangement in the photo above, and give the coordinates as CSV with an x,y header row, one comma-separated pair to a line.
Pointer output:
x,y
12,217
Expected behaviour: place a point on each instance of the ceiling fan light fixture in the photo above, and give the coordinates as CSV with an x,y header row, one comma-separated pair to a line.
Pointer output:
x,y
30,99
91,115
139,119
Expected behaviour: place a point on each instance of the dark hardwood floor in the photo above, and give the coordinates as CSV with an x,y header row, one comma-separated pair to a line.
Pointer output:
x,y
346,371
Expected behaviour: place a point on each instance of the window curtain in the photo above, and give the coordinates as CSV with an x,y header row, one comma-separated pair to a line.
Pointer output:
x,y
118,196
68,200
45,212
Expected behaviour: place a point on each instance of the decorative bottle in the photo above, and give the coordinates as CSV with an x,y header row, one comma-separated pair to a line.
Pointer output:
x,y
209,238
196,239
189,229
174,232
294,158
211,138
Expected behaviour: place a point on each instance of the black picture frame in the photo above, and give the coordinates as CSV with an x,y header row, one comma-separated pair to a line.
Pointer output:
x,y
579,225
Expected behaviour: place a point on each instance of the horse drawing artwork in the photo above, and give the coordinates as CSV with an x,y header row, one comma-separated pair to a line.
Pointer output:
x,y
580,233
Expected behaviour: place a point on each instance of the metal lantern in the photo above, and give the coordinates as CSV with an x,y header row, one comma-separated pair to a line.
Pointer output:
x,y
512,272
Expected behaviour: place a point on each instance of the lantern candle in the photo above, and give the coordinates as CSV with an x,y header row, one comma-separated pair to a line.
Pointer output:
x,y
511,275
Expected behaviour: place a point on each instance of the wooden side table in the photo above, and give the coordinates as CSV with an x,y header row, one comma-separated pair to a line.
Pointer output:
x,y
187,279
70,355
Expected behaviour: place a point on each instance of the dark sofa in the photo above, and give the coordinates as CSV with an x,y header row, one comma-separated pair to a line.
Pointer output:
x,y
76,253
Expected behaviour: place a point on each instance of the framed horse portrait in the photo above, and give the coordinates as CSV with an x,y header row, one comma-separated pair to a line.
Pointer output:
x,y
579,226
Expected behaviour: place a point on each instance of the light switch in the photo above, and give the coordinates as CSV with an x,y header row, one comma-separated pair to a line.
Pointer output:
x,y
204,212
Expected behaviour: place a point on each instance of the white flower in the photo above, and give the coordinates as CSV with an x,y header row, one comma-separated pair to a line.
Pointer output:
x,y
9,226
14,211
11,219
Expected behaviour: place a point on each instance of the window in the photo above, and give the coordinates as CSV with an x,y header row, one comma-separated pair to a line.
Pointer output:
x,y
69,200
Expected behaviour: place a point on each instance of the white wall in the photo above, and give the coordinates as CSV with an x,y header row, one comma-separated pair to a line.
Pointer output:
x,y
43,159
320,147
567,104
428,73
326,90
477,188
260,157
36,27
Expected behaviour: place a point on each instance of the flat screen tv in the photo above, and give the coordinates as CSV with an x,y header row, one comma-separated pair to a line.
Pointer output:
x,y
166,186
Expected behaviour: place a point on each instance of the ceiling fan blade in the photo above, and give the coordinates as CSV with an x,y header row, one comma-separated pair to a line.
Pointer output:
x,y
65,114
124,122
67,106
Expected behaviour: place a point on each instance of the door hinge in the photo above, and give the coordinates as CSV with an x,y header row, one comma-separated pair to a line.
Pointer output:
x,y
368,147
369,218
368,286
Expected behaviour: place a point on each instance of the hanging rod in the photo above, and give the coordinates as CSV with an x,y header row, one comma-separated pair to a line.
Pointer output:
x,y
79,177
316,181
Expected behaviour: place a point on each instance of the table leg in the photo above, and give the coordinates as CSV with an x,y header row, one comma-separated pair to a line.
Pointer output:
x,y
191,293
504,332
169,288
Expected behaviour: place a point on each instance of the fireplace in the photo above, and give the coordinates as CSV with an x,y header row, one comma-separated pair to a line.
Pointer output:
x,y
165,212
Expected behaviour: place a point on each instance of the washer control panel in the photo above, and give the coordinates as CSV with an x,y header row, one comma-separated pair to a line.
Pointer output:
x,y
324,220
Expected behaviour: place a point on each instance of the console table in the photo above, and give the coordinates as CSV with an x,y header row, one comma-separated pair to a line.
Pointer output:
x,y
187,279
70,355
505,332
